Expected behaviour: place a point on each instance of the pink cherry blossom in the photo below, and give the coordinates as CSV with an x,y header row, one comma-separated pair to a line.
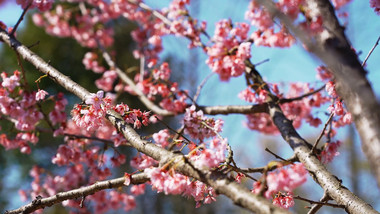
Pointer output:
x,y
330,151
40,95
42,5
284,179
284,200
10,82
162,137
225,39
195,124
95,100
211,156
91,63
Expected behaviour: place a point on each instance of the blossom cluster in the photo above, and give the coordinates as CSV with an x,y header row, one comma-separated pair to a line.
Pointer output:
x,y
199,126
20,108
229,50
330,151
283,179
86,31
252,97
78,163
284,200
156,85
297,110
266,34
42,5
210,156
170,182
92,115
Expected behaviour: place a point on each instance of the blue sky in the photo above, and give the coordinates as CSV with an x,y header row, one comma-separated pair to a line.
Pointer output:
x,y
285,65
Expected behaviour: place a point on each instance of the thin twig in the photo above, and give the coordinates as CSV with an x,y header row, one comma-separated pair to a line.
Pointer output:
x,y
22,70
90,138
178,134
171,129
322,133
268,168
236,169
261,62
370,52
286,100
314,209
275,155
201,86
318,202
20,19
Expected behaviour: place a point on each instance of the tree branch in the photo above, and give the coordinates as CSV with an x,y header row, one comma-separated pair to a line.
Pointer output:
x,y
335,51
40,203
302,148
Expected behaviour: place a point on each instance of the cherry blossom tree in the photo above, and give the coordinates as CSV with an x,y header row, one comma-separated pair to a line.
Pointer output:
x,y
193,158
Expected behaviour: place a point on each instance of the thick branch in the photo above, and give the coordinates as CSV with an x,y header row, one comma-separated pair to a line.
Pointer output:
x,y
352,85
237,193
41,203
302,150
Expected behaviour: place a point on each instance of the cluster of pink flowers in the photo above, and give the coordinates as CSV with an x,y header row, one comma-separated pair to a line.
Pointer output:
x,y
252,97
91,116
344,117
283,179
211,156
284,200
20,141
330,151
162,138
199,126
323,73
19,107
78,163
86,32
229,49
157,84
90,62
170,182
266,34
182,24
42,5
142,161
297,110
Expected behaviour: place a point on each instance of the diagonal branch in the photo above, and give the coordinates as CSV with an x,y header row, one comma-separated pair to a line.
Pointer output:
x,y
222,185
40,203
